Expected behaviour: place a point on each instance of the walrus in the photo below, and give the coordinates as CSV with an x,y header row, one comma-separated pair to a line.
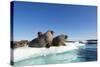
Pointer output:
x,y
59,40
48,38
43,39
39,41
16,44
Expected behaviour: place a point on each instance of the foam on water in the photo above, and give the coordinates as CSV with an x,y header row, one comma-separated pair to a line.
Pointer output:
x,y
28,52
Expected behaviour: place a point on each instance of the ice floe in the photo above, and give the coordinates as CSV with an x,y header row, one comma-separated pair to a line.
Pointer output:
x,y
27,52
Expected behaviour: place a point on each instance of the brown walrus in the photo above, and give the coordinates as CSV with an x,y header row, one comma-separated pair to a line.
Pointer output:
x,y
43,40
59,40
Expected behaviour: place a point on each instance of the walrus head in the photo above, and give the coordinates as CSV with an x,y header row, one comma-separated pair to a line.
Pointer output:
x,y
52,32
40,34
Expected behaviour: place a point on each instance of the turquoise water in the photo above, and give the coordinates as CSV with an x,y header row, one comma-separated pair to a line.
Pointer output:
x,y
84,53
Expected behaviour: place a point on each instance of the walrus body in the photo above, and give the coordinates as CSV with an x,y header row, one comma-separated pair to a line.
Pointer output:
x,y
16,44
59,40
39,41
49,38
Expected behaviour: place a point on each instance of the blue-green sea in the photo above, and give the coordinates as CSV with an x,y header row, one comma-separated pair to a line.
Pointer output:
x,y
84,53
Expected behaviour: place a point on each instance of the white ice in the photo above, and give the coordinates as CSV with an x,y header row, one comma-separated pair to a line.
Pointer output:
x,y
27,52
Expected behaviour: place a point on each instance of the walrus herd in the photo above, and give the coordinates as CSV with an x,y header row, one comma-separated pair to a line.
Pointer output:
x,y
46,39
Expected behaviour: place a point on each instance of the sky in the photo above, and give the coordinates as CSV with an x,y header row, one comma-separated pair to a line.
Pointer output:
x,y
77,21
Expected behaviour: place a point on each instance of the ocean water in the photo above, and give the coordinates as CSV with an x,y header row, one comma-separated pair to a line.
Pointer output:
x,y
84,53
